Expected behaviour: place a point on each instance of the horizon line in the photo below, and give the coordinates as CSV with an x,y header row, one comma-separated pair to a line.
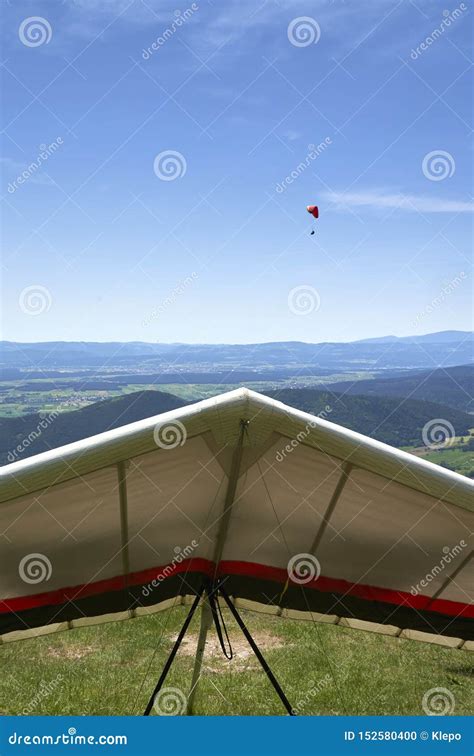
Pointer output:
x,y
244,343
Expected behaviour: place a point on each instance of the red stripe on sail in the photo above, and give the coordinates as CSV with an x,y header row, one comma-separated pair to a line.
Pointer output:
x,y
157,575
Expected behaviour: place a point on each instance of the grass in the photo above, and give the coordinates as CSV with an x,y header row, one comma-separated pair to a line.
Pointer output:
x,y
323,669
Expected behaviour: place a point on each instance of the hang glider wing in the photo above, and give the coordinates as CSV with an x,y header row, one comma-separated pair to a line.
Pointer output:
x,y
300,517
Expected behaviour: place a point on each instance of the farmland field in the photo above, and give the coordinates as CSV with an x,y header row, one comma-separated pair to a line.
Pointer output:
x,y
20,397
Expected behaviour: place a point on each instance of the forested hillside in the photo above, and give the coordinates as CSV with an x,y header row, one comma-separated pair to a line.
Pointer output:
x,y
451,386
388,419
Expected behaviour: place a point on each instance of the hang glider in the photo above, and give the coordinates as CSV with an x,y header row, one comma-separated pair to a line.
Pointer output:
x,y
298,516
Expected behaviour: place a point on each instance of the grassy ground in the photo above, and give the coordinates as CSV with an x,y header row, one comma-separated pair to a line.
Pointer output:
x,y
323,670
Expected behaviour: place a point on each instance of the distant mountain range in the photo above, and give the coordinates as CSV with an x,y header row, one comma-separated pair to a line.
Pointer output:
x,y
446,348
428,338
388,419
417,380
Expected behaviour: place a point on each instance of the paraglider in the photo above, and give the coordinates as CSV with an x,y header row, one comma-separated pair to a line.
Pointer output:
x,y
314,211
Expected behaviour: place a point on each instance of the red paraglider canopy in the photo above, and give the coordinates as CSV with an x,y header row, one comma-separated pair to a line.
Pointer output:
x,y
313,210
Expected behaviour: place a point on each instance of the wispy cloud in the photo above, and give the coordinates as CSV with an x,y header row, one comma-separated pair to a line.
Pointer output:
x,y
380,200
292,135
234,18
237,25
109,8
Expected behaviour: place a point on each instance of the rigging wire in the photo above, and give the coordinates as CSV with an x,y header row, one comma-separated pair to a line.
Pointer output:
x,y
220,625
160,640
315,623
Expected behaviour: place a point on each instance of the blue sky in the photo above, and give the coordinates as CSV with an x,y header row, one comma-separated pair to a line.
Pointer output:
x,y
101,243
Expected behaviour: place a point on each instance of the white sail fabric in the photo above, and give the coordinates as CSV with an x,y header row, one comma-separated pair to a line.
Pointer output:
x,y
323,524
